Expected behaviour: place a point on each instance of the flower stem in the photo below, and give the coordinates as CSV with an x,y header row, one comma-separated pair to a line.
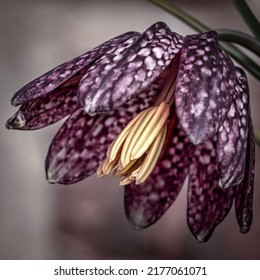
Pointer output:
x,y
240,38
235,52
248,17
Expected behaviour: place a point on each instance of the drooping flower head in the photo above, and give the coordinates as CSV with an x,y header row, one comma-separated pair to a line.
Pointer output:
x,y
153,109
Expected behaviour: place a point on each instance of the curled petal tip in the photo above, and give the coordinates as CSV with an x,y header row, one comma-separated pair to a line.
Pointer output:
x,y
8,125
203,237
195,139
16,122
51,181
244,228
89,109
137,219
14,101
200,239
50,178
136,227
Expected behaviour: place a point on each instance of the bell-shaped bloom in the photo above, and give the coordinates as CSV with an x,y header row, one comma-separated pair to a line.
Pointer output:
x,y
154,109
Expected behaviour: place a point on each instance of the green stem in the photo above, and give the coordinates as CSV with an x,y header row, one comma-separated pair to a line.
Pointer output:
x,y
248,17
257,136
235,52
240,38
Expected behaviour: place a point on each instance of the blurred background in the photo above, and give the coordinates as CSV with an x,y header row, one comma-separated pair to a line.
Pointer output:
x,y
86,220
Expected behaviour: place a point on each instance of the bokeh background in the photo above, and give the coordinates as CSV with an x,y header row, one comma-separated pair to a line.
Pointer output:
x,y
86,220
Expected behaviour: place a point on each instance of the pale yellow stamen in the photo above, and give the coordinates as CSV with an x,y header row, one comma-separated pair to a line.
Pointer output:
x,y
135,152
120,171
106,167
151,157
116,145
142,172
99,171
136,130
130,178
151,131
126,181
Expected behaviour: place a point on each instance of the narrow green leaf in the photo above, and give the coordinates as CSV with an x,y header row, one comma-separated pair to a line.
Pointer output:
x,y
240,38
248,17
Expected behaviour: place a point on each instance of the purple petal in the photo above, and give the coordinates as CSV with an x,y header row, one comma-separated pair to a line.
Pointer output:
x,y
245,190
204,86
52,79
208,204
232,137
147,202
49,109
121,75
82,142
76,149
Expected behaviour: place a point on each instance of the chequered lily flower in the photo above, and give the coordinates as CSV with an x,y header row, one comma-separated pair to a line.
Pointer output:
x,y
153,109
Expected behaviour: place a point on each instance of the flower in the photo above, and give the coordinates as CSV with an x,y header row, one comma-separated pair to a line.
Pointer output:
x,y
155,108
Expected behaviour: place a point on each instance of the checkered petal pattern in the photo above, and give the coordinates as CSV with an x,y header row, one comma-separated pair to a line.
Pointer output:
x,y
232,135
125,72
245,190
204,86
208,204
49,81
44,111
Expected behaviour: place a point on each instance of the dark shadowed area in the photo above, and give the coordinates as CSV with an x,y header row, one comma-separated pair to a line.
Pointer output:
x,y
86,220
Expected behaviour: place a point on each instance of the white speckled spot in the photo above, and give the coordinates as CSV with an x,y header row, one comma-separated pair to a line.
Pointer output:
x,y
212,104
200,52
166,41
109,121
160,62
158,52
242,132
206,71
232,111
150,63
117,57
223,136
192,47
197,109
229,148
243,120
198,62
